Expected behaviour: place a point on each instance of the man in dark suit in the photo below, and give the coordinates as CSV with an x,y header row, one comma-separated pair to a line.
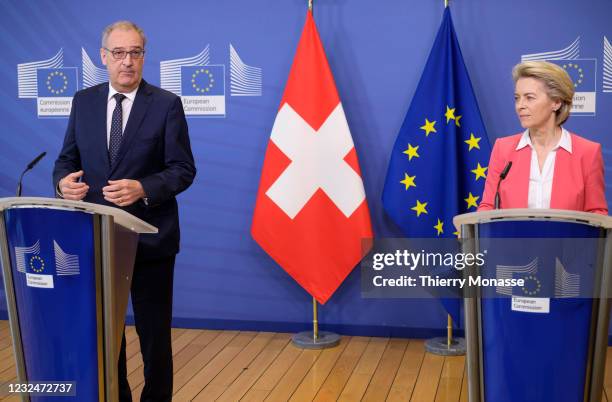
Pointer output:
x,y
127,145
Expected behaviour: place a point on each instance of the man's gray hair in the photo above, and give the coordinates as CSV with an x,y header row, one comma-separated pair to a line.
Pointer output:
x,y
126,26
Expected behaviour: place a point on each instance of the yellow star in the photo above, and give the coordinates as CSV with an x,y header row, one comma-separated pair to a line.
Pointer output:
x,y
456,234
419,208
408,181
473,142
457,121
429,127
439,227
412,152
450,114
480,172
471,201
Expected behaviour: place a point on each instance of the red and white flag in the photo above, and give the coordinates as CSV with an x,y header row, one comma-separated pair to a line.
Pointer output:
x,y
311,214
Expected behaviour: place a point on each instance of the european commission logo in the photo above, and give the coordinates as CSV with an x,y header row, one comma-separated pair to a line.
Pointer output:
x,y
50,83
202,86
538,285
39,274
583,73
203,90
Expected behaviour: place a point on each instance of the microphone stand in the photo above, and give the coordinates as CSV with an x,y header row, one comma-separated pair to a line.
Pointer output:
x,y
27,169
502,176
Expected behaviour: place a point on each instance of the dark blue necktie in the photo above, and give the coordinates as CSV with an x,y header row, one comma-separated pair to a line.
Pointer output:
x,y
116,131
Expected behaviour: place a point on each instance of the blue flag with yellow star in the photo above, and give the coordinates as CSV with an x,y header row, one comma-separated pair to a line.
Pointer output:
x,y
202,80
438,164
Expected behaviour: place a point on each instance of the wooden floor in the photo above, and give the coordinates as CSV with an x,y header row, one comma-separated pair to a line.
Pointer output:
x,y
258,366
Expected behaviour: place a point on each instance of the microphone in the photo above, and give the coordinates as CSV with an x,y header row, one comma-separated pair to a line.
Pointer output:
x,y
502,176
29,167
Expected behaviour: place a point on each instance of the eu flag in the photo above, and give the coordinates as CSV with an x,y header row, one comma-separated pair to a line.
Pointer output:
x,y
56,82
206,80
438,164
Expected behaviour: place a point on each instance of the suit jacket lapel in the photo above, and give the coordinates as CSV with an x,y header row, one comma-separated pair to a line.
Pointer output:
x,y
522,163
137,114
561,178
99,136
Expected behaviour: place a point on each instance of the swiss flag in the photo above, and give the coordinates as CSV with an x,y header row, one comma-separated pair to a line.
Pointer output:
x,y
311,214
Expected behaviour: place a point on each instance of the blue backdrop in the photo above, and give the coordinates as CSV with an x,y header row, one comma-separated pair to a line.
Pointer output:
x,y
376,49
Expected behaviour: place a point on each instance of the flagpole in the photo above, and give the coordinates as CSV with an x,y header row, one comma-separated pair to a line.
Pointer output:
x,y
446,346
315,339
315,321
449,319
449,331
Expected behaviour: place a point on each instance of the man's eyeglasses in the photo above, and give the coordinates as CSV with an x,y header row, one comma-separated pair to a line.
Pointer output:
x,y
119,54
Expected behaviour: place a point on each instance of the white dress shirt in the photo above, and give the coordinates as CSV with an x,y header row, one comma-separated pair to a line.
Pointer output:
x,y
126,107
540,182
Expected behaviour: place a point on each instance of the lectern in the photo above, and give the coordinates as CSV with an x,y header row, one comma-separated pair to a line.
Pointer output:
x,y
526,347
67,268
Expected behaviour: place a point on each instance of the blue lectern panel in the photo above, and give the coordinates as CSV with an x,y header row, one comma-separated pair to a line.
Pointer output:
x,y
536,356
52,261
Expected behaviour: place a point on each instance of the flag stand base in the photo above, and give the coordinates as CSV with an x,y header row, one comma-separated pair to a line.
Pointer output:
x,y
306,340
315,339
439,346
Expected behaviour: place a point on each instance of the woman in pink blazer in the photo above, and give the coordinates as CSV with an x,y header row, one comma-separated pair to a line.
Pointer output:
x,y
550,167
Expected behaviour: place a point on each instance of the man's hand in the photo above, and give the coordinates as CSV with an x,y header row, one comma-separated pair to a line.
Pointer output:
x,y
71,189
123,192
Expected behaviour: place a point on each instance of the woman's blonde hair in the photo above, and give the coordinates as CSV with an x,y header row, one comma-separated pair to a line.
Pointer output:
x,y
559,85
